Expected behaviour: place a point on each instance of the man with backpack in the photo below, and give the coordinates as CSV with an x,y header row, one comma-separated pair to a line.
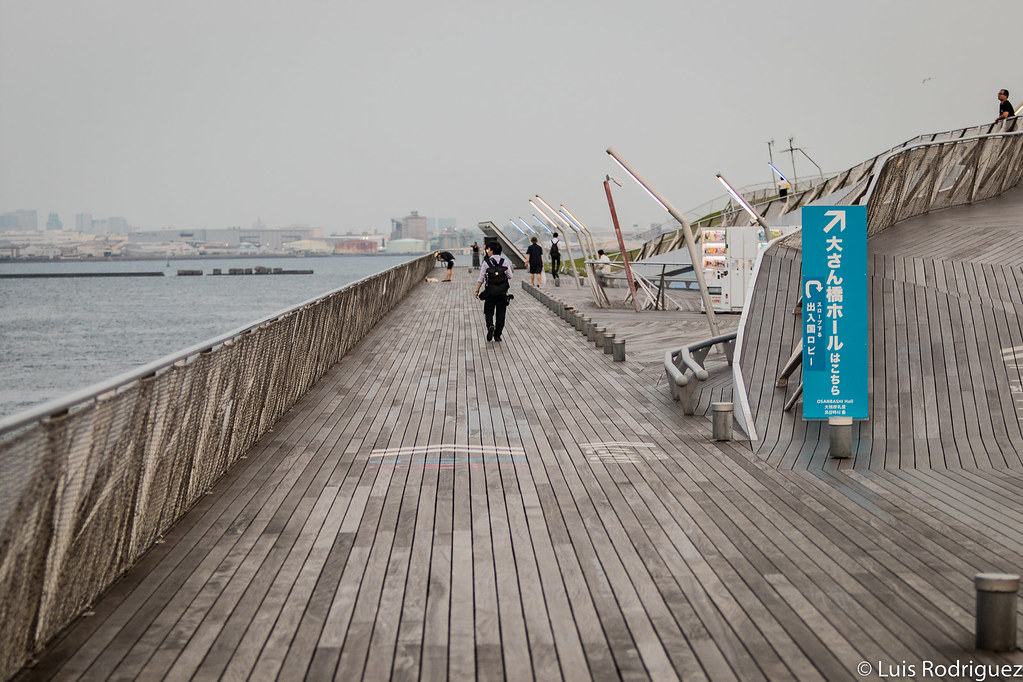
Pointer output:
x,y
555,252
495,273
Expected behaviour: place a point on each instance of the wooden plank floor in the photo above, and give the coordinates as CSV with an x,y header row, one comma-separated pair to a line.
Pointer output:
x,y
440,507
946,340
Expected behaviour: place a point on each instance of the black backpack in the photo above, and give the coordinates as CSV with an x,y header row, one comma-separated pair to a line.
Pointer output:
x,y
555,251
497,278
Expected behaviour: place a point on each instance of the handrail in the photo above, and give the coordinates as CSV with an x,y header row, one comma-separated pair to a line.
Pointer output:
x,y
925,175
76,399
865,171
895,168
692,355
93,480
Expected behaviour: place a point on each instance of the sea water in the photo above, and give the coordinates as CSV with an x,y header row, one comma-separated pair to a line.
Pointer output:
x,y
59,335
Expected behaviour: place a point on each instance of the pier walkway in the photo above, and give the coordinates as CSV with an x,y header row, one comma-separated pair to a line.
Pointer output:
x,y
440,507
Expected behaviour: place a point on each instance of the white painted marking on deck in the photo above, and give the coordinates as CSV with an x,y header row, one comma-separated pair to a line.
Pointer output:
x,y
621,452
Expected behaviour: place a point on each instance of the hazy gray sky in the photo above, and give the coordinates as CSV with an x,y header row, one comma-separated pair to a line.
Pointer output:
x,y
343,115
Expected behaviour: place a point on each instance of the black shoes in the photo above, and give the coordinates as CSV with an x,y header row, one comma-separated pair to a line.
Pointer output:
x,y
497,339
490,334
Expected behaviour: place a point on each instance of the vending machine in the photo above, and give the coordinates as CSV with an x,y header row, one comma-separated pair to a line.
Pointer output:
x,y
729,254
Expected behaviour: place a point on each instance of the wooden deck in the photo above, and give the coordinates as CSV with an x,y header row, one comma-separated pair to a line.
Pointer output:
x,y
946,340
440,507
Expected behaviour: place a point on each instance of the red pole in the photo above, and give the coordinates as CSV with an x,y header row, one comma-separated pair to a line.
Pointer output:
x,y
621,245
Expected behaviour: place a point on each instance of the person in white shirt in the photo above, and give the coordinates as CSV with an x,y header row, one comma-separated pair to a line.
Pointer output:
x,y
495,295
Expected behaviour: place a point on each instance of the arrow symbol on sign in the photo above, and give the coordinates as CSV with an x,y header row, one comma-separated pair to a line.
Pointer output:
x,y
836,217
806,292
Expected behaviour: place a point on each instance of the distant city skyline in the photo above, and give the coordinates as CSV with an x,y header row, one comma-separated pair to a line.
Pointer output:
x,y
198,114
29,220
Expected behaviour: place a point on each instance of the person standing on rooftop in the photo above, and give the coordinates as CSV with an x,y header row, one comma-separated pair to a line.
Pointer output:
x,y
1005,109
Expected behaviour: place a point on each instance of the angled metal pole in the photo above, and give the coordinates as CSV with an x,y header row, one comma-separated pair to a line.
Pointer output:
x,y
687,231
582,226
819,169
792,155
568,244
621,244
745,205
568,225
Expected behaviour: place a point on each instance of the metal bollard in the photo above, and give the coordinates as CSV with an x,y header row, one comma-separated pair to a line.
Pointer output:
x,y
585,326
591,331
840,437
579,319
618,350
569,312
722,416
598,337
996,611
609,343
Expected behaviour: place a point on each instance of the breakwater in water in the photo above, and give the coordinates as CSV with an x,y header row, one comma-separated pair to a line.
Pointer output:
x,y
61,334
49,275
258,270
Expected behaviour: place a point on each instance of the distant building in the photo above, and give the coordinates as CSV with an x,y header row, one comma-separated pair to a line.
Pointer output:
x,y
229,238
83,223
53,222
407,246
411,227
448,239
356,245
117,225
19,221
309,246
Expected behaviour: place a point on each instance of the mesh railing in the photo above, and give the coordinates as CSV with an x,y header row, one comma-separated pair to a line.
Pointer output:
x,y
943,174
855,182
926,174
88,484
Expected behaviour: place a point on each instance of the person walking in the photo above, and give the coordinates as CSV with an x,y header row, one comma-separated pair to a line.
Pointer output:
x,y
1005,109
449,259
495,272
555,251
475,255
534,254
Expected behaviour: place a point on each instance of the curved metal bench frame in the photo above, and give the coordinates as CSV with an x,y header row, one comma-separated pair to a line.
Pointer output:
x,y
683,383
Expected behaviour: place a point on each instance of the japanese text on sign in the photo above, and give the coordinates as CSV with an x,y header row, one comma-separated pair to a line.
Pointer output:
x,y
834,327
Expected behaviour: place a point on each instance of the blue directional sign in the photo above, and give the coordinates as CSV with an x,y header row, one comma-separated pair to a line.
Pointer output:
x,y
834,312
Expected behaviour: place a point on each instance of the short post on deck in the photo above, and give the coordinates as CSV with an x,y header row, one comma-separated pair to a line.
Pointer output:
x,y
618,350
609,340
840,437
996,611
722,420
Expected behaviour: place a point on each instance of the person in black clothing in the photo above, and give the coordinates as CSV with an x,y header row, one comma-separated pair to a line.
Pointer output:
x,y
449,259
495,303
535,256
1005,109
555,252
475,255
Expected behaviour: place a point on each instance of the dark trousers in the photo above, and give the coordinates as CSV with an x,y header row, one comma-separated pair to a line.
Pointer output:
x,y
495,309
555,265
